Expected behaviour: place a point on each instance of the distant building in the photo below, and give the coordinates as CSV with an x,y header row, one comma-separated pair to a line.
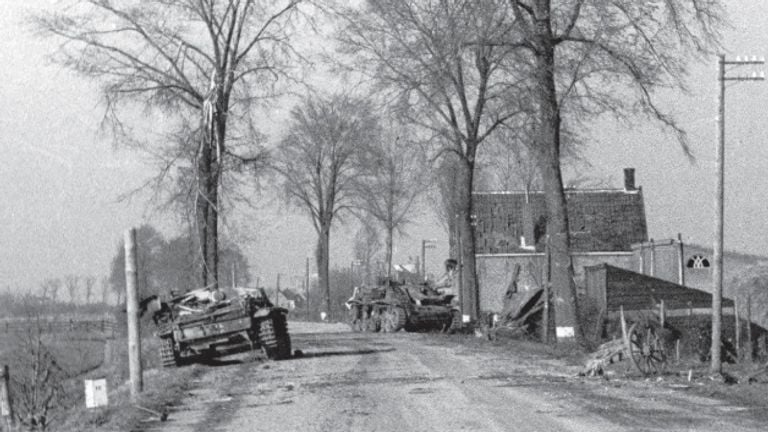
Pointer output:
x,y
511,229
689,264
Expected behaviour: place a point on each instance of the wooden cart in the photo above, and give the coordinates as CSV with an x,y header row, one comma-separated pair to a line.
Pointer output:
x,y
641,343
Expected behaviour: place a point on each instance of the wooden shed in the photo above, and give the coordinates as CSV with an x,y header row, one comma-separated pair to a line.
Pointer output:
x,y
614,287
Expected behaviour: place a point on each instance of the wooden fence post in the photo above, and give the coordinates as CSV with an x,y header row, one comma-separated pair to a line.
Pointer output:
x,y
6,403
132,309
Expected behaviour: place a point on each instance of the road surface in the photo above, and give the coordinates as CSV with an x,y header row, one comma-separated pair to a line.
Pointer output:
x,y
419,382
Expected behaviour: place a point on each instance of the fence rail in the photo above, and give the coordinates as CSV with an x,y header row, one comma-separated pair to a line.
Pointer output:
x,y
100,327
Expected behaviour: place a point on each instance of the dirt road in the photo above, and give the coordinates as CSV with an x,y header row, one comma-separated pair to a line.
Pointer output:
x,y
415,382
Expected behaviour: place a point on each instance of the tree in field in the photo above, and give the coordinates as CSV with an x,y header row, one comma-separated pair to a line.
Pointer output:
x,y
316,161
589,57
72,282
439,61
50,288
37,381
105,288
390,180
90,284
165,266
198,67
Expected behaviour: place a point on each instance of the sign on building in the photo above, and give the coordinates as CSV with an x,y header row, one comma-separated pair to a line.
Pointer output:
x,y
96,393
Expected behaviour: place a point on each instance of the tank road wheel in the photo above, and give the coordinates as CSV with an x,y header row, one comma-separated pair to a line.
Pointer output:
x,y
274,338
387,324
394,319
169,357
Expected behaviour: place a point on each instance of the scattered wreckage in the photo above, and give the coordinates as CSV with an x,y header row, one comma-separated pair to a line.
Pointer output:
x,y
204,323
391,306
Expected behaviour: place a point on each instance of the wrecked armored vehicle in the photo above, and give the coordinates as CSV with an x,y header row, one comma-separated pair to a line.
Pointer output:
x,y
203,323
392,306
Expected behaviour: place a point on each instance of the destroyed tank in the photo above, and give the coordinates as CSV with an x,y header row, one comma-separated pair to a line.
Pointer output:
x,y
391,306
204,324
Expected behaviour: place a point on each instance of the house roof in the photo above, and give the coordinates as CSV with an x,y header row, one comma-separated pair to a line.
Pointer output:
x,y
605,220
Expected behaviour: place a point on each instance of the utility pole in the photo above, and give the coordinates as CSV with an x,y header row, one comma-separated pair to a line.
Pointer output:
x,y
716,366
132,310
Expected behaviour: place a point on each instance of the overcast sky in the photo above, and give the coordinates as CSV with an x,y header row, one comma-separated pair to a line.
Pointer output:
x,y
60,177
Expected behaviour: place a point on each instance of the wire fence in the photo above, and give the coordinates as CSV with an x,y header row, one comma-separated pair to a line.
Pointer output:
x,y
100,327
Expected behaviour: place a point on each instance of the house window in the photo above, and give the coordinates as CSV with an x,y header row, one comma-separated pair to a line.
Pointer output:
x,y
698,262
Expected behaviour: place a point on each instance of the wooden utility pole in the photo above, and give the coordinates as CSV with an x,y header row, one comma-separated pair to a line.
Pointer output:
x,y
716,366
132,309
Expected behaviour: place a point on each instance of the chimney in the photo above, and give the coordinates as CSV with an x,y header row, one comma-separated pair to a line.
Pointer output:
x,y
629,179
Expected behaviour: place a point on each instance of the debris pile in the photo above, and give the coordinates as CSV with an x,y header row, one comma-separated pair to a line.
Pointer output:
x,y
520,316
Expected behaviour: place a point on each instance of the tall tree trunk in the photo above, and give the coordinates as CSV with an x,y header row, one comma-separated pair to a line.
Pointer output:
x,y
212,225
322,259
202,208
548,151
470,296
389,242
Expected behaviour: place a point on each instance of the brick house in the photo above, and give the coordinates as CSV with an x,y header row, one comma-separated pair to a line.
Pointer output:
x,y
511,229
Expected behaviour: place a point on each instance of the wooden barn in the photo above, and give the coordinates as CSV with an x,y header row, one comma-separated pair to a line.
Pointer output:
x,y
613,287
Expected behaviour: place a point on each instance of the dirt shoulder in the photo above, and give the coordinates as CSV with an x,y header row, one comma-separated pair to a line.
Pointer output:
x,y
382,382
346,381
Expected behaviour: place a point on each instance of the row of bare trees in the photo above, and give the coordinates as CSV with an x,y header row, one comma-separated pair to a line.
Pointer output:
x,y
463,70
338,157
78,287
455,73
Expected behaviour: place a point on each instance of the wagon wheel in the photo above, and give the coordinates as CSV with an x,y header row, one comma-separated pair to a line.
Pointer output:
x,y
646,349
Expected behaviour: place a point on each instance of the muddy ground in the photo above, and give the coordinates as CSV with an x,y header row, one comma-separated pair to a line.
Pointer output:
x,y
420,382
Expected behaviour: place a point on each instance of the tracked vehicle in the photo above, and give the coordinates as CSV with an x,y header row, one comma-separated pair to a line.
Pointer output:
x,y
391,306
203,324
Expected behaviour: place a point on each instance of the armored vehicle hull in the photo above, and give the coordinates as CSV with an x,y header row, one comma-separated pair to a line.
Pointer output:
x,y
192,329
393,306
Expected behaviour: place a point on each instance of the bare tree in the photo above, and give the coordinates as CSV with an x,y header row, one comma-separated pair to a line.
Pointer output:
x,y
367,246
105,289
72,282
37,379
203,64
390,180
592,57
436,58
90,284
50,288
316,161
